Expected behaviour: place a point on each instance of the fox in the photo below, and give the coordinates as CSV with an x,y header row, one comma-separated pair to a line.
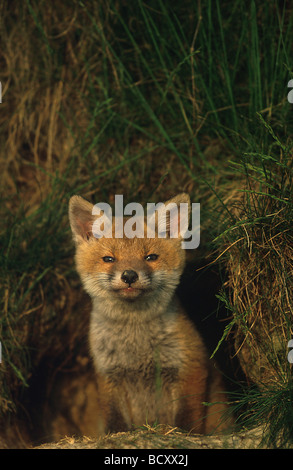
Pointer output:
x,y
150,361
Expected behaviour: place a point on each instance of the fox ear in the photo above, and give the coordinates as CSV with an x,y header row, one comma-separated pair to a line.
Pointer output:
x,y
181,198
173,217
80,218
177,222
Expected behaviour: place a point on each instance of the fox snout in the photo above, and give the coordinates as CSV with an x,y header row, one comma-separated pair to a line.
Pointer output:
x,y
129,276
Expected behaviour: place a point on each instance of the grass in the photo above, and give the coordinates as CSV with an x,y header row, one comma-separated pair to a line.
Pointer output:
x,y
258,291
145,100
271,410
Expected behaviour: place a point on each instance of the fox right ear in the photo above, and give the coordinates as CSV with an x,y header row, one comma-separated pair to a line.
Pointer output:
x,y
81,218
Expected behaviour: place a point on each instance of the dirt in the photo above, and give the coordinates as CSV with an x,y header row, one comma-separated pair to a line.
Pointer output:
x,y
162,438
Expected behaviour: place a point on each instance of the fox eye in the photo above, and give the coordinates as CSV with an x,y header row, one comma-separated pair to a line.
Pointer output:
x,y
151,257
108,259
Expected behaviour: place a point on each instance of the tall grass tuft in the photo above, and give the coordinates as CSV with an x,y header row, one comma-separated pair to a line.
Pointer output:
x,y
258,252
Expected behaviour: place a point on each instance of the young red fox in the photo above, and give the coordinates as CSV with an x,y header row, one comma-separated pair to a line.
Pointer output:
x,y
151,363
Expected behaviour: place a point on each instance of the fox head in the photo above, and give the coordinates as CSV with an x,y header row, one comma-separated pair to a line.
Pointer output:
x,y
131,271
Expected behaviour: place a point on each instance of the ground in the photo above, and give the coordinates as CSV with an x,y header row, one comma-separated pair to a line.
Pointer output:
x,y
162,438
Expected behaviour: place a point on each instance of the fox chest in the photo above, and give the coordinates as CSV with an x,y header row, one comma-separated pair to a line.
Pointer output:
x,y
135,354
142,362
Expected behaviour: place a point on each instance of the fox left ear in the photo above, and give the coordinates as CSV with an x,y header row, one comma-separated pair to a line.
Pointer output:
x,y
181,198
81,218
175,223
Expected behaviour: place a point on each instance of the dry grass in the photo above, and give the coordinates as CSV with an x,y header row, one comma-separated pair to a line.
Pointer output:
x,y
258,257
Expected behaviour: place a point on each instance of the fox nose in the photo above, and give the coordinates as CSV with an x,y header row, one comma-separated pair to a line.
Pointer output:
x,y
129,276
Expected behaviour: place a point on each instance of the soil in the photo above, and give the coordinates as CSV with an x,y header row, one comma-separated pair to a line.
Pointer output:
x,y
162,438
